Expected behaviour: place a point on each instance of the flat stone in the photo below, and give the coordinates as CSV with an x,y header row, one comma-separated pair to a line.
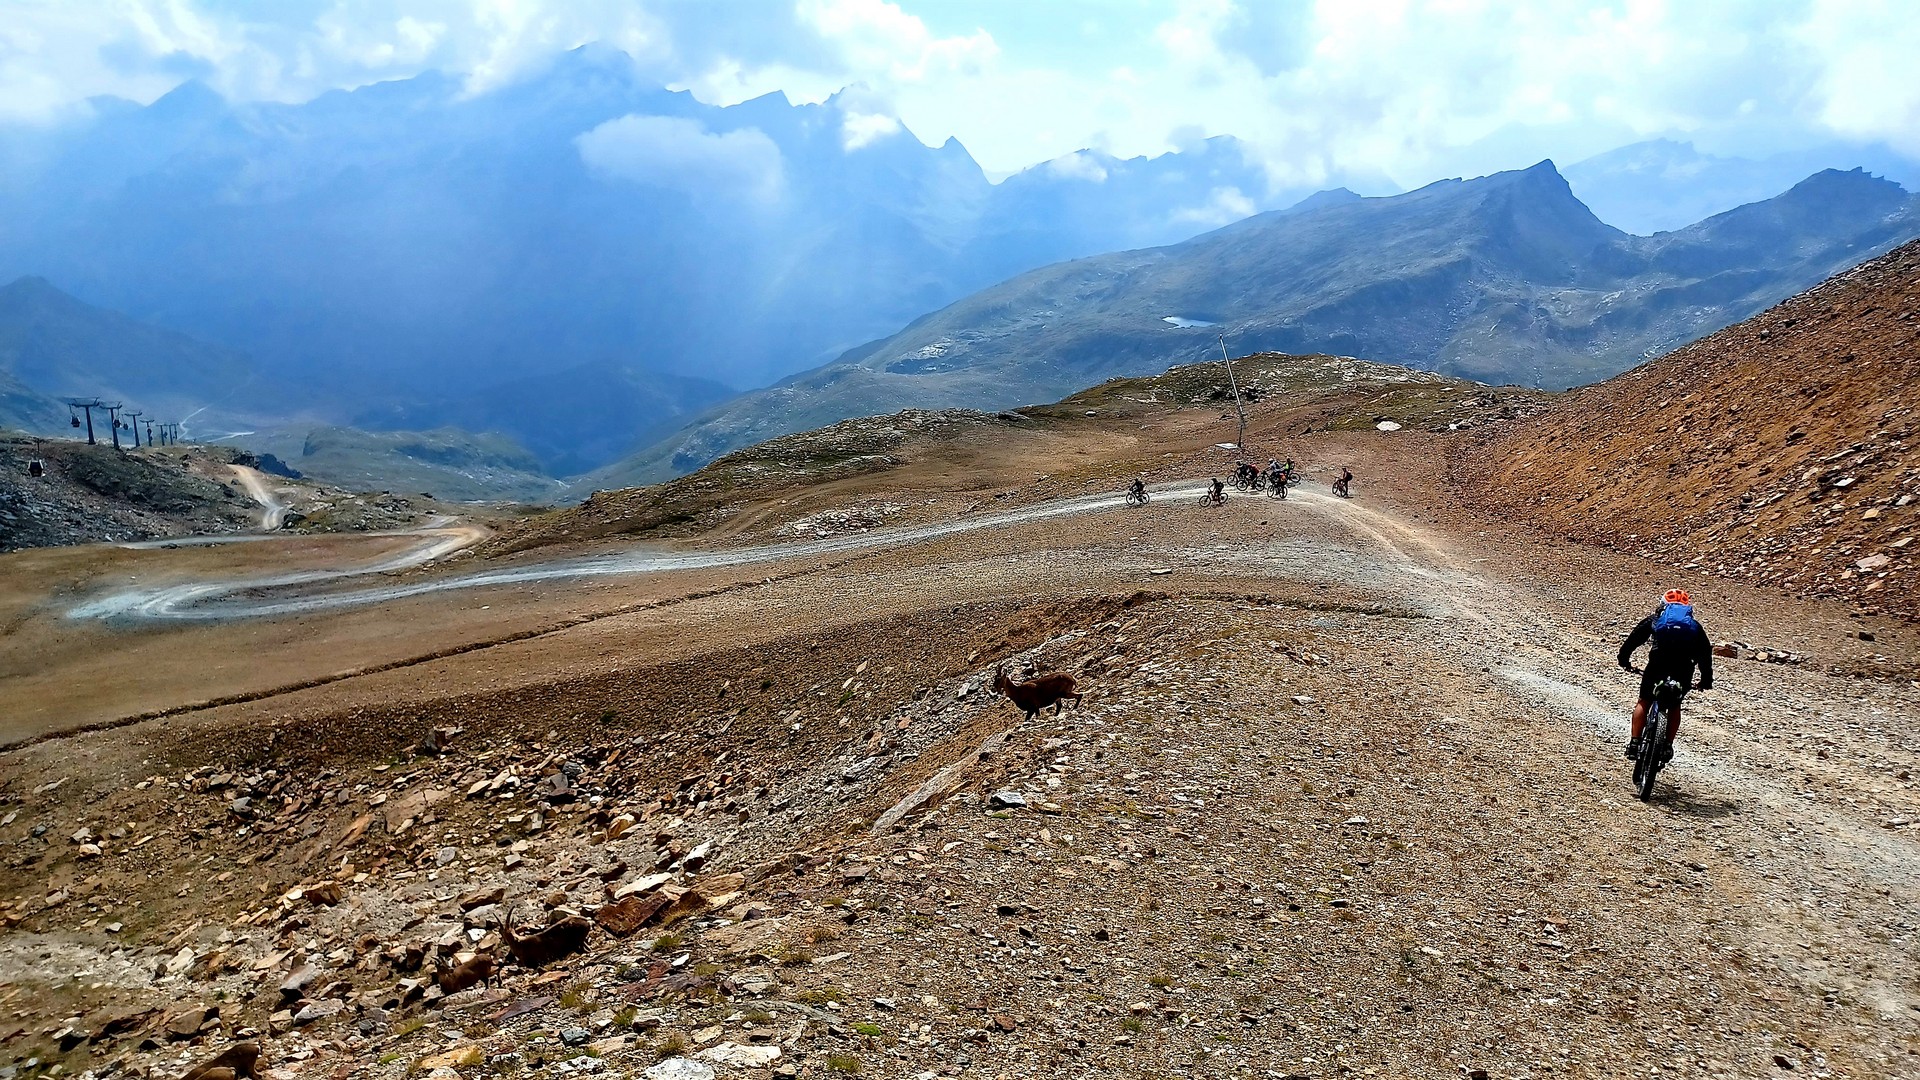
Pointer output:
x,y
678,1069
1007,799
318,1010
741,1056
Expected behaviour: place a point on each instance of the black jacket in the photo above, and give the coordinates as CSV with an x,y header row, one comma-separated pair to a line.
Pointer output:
x,y
1697,652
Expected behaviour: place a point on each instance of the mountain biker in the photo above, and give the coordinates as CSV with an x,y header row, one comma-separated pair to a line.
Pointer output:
x,y
1138,488
1218,492
1344,485
1679,644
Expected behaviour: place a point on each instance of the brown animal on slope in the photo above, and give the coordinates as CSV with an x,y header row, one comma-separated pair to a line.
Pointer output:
x,y
453,979
1035,694
236,1061
547,944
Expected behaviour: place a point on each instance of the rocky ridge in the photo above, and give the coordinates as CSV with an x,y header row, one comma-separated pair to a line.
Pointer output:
x,y
1781,450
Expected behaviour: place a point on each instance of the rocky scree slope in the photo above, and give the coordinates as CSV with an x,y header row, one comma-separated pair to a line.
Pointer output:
x,y
1781,450
88,494
1505,278
96,494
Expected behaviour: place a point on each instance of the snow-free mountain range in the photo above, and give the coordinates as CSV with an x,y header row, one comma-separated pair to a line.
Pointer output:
x,y
597,268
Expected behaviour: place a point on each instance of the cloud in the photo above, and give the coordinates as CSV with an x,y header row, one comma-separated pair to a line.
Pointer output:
x,y
1320,90
1079,165
858,129
1224,206
672,152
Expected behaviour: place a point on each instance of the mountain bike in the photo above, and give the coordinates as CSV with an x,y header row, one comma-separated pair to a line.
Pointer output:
x,y
1278,485
1342,489
1207,498
1656,739
1136,498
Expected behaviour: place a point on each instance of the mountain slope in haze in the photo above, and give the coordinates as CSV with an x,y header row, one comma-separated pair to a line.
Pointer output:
x,y
1662,184
447,463
54,346
1504,279
1781,450
413,251
570,421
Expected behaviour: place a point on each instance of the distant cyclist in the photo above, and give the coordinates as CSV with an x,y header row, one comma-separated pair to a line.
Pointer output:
x,y
1137,492
1217,493
1679,644
1343,487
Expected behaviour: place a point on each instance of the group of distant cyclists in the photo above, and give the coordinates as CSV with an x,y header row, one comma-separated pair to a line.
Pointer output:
x,y
1275,479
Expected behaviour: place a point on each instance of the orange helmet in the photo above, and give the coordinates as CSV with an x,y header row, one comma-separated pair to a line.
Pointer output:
x,y
1676,596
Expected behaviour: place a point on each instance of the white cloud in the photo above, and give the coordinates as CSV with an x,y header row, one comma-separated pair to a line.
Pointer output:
x,y
858,129
673,152
1079,165
1224,206
1320,89
1868,88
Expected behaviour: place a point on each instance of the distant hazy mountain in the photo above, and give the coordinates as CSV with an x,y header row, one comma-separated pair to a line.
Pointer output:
x,y
53,346
447,463
1506,278
407,250
572,421
1662,185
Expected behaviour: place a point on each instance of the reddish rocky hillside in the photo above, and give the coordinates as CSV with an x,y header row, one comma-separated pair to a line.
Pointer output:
x,y
1780,450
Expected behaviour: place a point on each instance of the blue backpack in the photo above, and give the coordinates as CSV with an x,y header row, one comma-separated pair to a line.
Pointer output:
x,y
1675,626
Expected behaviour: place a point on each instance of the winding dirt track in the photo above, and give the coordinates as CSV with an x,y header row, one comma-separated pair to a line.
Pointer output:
x,y
253,597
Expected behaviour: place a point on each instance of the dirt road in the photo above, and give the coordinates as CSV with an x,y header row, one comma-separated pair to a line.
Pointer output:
x,y
273,512
254,597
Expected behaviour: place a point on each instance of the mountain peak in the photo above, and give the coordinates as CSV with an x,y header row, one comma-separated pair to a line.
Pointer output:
x,y
1855,183
190,98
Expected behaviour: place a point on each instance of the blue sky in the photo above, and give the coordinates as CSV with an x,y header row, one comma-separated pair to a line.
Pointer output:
x,y
1405,90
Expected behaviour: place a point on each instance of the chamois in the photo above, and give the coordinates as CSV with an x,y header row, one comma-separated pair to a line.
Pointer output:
x,y
453,979
562,937
1036,694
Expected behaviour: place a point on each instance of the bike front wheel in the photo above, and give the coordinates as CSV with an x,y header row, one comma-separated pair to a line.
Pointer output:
x,y
1646,765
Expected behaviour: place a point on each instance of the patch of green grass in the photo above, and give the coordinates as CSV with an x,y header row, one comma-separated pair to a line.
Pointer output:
x,y
577,997
843,1063
1162,980
408,1027
672,1044
668,942
1132,1024
867,1029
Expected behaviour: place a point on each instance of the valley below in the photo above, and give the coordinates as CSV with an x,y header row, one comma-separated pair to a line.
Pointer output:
x,y
1343,795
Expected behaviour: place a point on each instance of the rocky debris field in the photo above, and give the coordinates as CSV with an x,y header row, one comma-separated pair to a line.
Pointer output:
x,y
89,494
1781,450
96,494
